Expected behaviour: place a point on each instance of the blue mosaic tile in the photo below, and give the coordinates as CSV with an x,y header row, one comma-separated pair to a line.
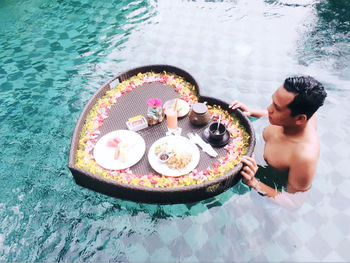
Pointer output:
x,y
343,248
160,255
274,252
180,249
196,236
318,246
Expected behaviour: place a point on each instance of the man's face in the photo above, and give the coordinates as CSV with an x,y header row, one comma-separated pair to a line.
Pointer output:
x,y
279,113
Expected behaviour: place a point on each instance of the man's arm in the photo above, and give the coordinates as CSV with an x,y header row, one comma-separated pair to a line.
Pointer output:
x,y
248,172
248,111
300,175
263,188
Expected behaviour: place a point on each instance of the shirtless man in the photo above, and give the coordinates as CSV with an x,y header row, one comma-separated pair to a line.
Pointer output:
x,y
292,143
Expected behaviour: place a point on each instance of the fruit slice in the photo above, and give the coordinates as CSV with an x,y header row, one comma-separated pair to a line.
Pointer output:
x,y
116,153
113,142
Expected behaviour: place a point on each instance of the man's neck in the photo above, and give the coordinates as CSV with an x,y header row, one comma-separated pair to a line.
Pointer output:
x,y
294,131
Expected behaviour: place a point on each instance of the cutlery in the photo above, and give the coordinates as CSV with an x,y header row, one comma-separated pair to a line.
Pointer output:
x,y
217,128
206,147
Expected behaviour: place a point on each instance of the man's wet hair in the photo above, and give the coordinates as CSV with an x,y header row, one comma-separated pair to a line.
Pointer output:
x,y
310,95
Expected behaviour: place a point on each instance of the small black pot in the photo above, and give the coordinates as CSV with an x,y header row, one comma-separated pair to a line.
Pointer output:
x,y
216,134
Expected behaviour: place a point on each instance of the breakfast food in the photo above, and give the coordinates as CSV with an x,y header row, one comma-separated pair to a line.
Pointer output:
x,y
163,157
115,144
172,157
116,153
179,160
137,123
121,148
161,148
124,148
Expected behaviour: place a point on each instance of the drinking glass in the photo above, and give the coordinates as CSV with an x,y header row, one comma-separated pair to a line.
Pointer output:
x,y
171,118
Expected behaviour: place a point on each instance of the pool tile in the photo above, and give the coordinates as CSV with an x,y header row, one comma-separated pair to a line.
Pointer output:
x,y
168,232
331,234
189,259
137,253
316,219
316,197
259,258
333,257
153,243
248,222
302,255
180,248
338,180
205,253
303,231
72,33
196,236
5,86
341,221
274,252
289,241
343,248
344,187
203,218
65,43
160,255
339,201
319,246
219,240
184,224
219,220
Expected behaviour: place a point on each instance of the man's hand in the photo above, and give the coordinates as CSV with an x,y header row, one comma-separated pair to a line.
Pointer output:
x,y
246,110
236,104
249,170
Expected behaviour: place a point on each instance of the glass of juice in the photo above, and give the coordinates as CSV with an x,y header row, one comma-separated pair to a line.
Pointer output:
x,y
171,118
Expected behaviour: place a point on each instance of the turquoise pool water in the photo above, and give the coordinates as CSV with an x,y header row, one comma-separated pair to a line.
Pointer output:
x,y
55,54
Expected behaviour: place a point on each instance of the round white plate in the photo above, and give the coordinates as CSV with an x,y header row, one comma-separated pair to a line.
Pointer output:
x,y
178,143
104,154
182,106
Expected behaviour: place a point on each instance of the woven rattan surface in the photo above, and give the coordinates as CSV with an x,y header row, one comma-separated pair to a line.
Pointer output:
x,y
134,103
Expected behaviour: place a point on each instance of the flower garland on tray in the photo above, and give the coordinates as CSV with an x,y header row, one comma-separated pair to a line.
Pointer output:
x,y
90,132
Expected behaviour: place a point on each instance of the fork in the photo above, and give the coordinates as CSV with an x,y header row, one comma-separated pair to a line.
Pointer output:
x,y
192,138
196,139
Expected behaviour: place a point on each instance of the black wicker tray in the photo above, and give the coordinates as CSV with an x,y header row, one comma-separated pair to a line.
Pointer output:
x,y
132,104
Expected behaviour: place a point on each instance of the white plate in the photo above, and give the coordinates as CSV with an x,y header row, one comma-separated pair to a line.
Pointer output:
x,y
182,106
178,143
104,154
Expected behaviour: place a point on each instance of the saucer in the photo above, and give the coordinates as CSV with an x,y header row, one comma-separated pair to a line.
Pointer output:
x,y
183,107
216,143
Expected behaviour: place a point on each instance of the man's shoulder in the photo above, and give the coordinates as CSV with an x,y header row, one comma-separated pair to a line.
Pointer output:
x,y
306,152
303,168
308,146
272,131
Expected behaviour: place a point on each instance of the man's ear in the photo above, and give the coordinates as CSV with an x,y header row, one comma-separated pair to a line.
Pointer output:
x,y
300,119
